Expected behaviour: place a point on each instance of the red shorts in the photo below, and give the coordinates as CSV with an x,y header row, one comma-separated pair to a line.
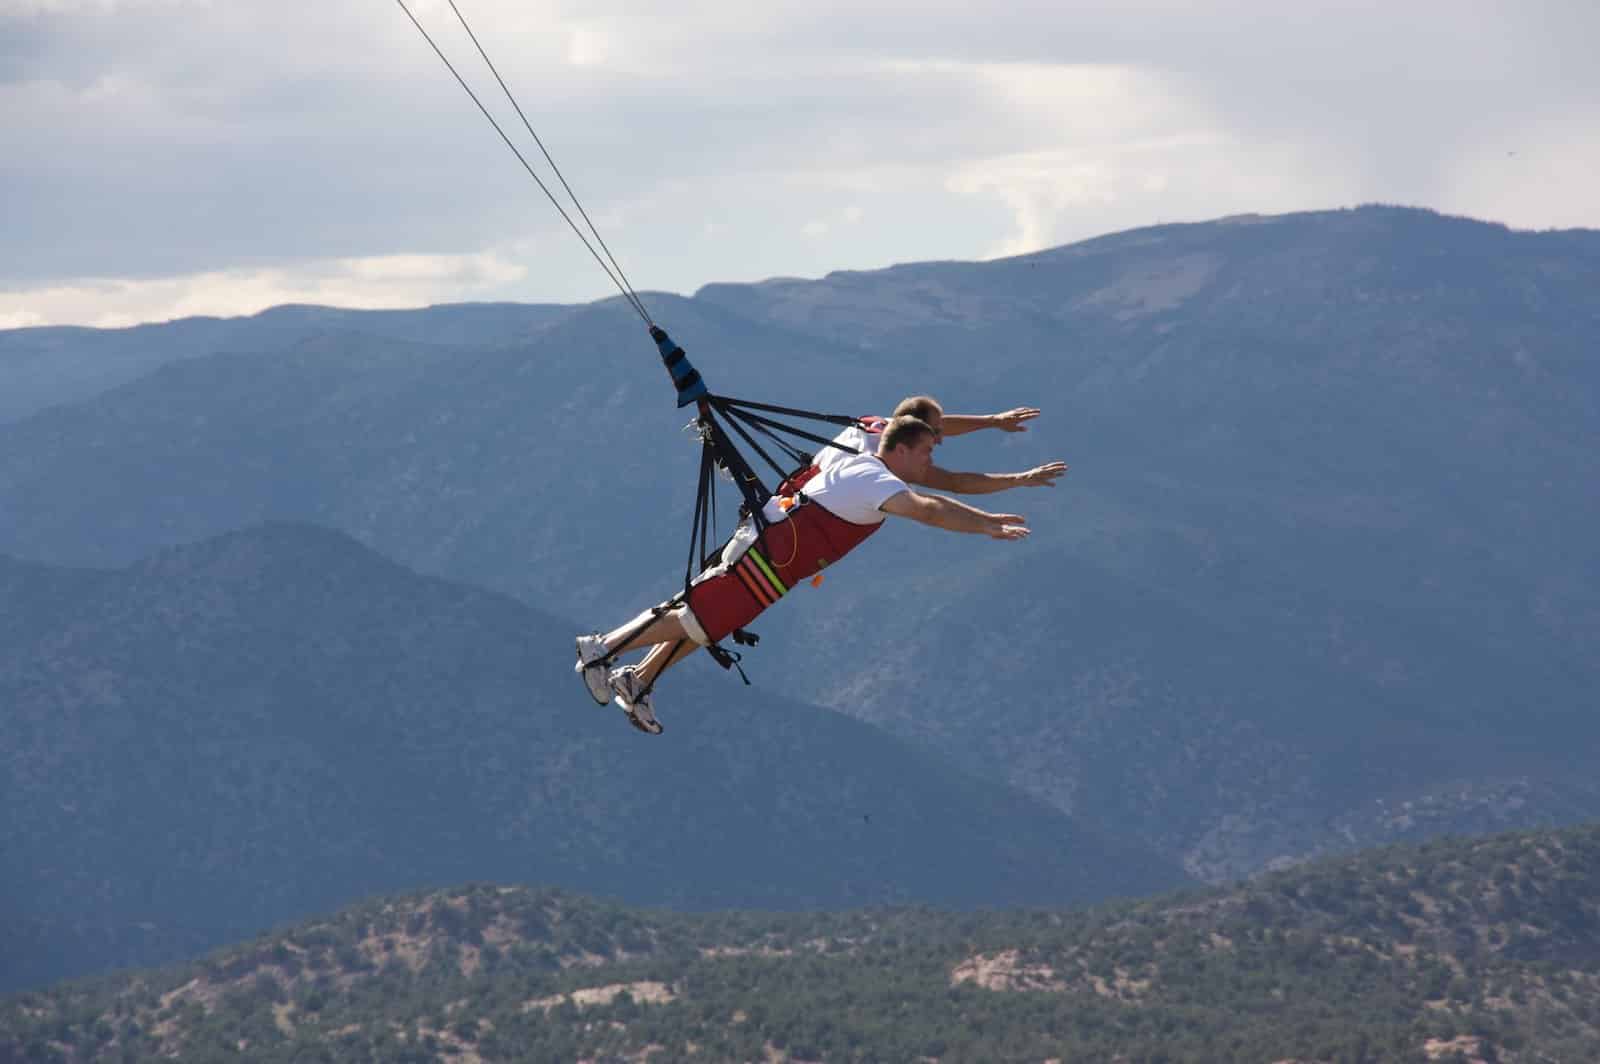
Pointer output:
x,y
785,553
735,598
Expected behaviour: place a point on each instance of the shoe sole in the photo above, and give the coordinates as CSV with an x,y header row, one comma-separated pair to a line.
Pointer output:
x,y
583,670
633,718
642,726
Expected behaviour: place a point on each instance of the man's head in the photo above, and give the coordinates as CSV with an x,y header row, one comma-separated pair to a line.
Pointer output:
x,y
924,408
906,447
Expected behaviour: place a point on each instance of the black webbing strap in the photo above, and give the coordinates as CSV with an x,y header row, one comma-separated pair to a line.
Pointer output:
x,y
728,456
763,425
743,407
701,526
810,415
756,447
728,659
716,450
794,453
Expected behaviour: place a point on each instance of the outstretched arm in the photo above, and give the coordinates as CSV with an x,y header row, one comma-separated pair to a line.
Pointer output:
x,y
953,516
1044,476
1014,420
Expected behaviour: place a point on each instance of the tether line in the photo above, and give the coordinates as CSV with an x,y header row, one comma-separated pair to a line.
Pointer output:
x,y
626,289
546,151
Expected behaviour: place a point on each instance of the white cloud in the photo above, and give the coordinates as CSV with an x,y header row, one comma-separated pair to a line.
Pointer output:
x,y
1543,175
21,319
590,46
239,148
1057,196
487,268
369,283
33,8
1036,188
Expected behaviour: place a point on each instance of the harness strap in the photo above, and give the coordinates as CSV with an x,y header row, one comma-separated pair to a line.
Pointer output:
x,y
765,425
728,659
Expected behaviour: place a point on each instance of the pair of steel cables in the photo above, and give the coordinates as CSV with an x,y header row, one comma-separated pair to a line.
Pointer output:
x,y
607,263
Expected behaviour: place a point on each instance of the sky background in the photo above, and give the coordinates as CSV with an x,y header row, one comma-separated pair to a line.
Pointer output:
x,y
165,158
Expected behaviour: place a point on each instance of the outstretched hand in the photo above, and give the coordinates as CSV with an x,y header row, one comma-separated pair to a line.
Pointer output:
x,y
1044,476
1012,420
1007,526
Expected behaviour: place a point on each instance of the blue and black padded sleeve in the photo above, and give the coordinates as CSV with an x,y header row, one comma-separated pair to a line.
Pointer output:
x,y
684,376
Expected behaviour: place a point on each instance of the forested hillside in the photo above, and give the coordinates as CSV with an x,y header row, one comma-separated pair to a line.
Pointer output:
x,y
1464,950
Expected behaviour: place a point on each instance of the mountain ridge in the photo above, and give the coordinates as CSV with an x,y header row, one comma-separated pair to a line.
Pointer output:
x,y
1326,547
278,720
1477,949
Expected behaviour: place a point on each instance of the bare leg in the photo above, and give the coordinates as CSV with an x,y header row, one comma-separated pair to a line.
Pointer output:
x,y
663,629
662,657
668,640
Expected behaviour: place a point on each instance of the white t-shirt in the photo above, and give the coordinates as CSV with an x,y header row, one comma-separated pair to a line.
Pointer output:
x,y
852,487
851,439
849,486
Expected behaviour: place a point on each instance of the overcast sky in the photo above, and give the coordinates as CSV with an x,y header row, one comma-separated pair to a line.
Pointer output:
x,y
163,158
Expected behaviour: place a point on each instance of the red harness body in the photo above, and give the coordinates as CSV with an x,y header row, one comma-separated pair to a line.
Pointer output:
x,y
783,555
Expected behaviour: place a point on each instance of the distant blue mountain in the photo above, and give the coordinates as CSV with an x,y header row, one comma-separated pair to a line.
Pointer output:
x,y
276,722
51,366
1324,573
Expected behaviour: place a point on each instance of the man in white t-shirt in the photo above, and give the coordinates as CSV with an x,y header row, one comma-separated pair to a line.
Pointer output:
x,y
836,508
928,409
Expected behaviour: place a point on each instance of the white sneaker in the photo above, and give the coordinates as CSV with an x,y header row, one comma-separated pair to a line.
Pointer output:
x,y
591,666
635,700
